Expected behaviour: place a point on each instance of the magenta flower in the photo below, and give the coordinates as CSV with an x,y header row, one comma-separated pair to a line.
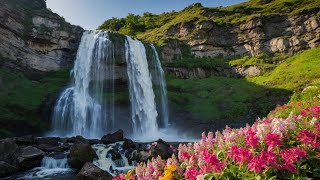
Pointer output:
x,y
191,174
212,160
290,156
316,110
256,164
251,139
239,155
269,157
272,140
308,138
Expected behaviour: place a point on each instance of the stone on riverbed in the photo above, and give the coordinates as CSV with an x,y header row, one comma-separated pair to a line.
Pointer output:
x,y
112,138
80,153
91,172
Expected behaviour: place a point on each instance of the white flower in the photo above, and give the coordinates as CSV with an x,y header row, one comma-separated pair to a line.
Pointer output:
x,y
200,177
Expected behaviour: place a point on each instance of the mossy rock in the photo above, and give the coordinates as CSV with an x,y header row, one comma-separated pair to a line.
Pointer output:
x,y
80,153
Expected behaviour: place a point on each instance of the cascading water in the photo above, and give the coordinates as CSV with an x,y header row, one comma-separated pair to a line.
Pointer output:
x,y
87,106
82,108
158,78
51,168
143,108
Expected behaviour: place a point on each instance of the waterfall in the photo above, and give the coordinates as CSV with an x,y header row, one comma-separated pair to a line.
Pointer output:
x,y
143,108
159,80
82,109
87,106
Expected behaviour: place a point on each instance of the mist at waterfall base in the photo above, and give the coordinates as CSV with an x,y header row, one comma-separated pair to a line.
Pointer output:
x,y
88,106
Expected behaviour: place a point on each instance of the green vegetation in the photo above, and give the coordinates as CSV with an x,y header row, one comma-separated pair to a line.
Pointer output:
x,y
219,98
310,96
21,98
153,28
295,73
205,62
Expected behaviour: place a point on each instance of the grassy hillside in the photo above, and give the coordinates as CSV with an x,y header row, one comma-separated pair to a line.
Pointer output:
x,y
217,98
20,99
151,27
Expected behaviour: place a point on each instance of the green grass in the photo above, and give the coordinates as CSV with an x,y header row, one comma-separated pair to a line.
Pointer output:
x,y
204,62
308,97
295,73
218,98
152,28
20,98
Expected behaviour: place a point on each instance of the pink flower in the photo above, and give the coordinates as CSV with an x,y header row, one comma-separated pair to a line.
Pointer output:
x,y
251,139
239,155
269,157
290,167
191,173
290,156
316,130
256,164
272,140
316,110
307,137
212,160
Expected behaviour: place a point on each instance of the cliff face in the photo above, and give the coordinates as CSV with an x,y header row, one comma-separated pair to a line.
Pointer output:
x,y
35,40
273,34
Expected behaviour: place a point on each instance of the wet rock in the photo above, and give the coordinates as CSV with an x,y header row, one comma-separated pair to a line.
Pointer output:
x,y
25,140
95,141
91,172
65,146
143,156
54,141
50,148
114,154
78,139
127,144
8,148
29,157
161,148
112,138
7,169
80,153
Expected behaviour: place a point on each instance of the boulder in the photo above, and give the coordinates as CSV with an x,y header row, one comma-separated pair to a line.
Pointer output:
x,y
127,144
78,139
158,148
29,157
7,169
8,148
91,172
112,138
114,153
25,140
50,148
80,153
161,148
54,141
94,141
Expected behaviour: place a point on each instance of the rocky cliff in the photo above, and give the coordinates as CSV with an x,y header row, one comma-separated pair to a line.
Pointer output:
x,y
272,34
35,40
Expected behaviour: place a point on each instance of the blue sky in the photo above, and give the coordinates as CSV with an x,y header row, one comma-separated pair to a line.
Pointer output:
x,y
91,13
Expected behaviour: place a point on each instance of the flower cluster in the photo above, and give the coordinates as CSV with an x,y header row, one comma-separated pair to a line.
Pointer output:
x,y
272,147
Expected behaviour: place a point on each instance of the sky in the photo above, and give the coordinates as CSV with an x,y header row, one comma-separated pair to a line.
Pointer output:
x,y
89,14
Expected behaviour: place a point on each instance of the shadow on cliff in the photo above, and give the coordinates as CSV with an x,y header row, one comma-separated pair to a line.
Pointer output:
x,y
210,104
